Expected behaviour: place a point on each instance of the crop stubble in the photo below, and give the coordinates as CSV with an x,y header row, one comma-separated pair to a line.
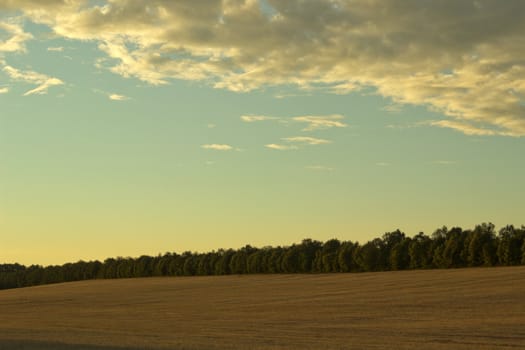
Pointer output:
x,y
476,308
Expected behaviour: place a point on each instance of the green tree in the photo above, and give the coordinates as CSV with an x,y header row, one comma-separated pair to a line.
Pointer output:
x,y
222,265
453,248
307,252
329,256
480,243
399,255
390,240
420,251
256,262
290,260
369,256
510,241
346,257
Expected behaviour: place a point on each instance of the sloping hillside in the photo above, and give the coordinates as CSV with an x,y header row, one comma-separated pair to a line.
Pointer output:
x,y
482,308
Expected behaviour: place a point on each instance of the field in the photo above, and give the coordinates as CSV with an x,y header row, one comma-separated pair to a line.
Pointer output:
x,y
481,308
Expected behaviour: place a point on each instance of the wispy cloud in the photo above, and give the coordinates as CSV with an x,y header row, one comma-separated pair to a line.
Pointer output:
x,y
55,49
43,81
321,122
280,147
465,127
256,118
383,164
4,90
117,97
288,95
307,140
217,147
314,122
293,142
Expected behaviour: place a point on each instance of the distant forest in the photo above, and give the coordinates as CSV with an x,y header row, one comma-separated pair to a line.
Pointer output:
x,y
445,248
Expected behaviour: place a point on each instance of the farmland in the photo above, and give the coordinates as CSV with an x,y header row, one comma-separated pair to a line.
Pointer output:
x,y
475,308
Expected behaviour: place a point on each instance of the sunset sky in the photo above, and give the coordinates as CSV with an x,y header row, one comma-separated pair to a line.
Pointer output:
x,y
132,127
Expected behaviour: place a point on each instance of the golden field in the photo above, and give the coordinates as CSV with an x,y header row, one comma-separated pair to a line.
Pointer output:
x,y
476,308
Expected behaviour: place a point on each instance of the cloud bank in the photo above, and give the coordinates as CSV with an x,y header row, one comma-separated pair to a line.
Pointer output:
x,y
463,59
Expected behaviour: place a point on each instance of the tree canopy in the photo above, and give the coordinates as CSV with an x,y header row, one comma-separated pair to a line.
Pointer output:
x,y
444,248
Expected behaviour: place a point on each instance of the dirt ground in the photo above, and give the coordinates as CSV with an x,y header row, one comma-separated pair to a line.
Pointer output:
x,y
482,308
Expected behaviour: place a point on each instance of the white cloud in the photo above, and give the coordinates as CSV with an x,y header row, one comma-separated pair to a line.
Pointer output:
x,y
42,81
292,141
117,97
217,147
466,128
43,87
463,59
4,90
55,49
307,140
321,122
314,122
256,118
16,37
382,164
280,147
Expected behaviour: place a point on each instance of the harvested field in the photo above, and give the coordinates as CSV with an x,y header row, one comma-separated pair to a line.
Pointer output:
x,y
482,308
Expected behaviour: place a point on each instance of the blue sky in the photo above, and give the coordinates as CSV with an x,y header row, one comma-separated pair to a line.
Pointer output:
x,y
140,127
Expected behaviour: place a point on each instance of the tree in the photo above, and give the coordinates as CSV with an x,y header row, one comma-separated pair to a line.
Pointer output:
x,y
307,252
256,262
399,256
390,240
420,251
480,243
369,256
222,266
510,241
393,251
346,257
238,262
329,256
190,264
453,248
290,260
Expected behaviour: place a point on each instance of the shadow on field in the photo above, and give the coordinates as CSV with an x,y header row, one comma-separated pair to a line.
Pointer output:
x,y
33,345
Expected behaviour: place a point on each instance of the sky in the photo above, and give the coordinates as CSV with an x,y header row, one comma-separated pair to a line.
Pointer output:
x,y
132,127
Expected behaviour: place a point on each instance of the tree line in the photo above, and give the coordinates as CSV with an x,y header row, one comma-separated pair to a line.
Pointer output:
x,y
445,248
